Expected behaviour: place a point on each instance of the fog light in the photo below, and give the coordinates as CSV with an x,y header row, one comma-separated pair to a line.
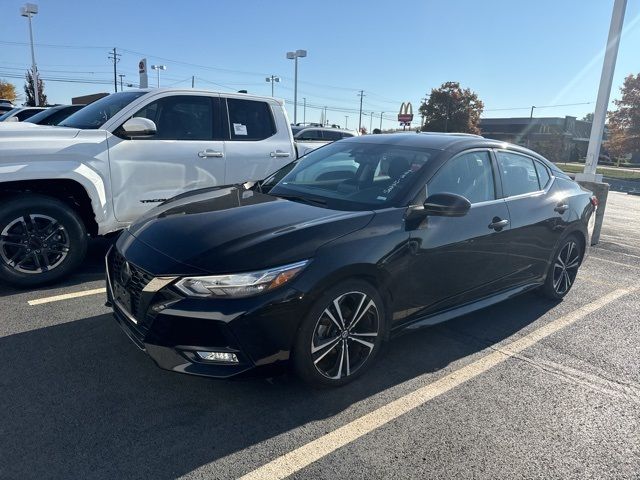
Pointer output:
x,y
226,357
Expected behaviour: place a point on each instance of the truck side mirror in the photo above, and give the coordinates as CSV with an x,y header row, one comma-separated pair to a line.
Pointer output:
x,y
139,127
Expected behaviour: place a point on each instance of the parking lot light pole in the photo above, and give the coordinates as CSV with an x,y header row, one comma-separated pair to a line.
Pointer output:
x,y
294,56
29,10
157,68
272,79
346,121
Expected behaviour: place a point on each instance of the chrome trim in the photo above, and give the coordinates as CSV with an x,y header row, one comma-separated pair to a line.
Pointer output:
x,y
157,283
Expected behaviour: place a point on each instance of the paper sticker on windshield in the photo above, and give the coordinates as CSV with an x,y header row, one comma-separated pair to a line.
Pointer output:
x,y
239,129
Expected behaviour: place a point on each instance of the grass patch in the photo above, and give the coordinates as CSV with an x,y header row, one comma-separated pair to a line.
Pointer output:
x,y
619,173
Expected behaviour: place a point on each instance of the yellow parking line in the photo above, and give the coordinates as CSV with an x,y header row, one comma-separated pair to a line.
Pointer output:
x,y
67,296
305,455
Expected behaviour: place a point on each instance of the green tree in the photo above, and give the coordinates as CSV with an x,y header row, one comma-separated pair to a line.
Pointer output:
x,y
624,122
588,117
452,109
8,91
29,91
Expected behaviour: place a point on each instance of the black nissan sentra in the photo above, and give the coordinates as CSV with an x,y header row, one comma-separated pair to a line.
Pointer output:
x,y
324,261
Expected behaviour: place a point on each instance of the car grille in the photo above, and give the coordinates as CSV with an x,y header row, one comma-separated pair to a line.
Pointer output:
x,y
138,280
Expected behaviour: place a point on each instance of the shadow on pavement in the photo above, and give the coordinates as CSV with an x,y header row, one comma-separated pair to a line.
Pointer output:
x,y
91,270
80,401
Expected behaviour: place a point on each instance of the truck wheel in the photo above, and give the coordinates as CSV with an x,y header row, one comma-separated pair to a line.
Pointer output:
x,y
41,240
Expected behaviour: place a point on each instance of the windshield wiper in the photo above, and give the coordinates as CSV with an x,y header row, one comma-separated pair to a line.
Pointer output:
x,y
301,199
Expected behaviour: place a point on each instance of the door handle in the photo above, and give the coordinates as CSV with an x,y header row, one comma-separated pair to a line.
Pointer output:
x,y
561,207
279,153
497,224
210,153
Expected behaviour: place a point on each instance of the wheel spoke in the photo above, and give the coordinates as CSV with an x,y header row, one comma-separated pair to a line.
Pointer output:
x,y
567,280
569,252
574,263
366,344
556,282
328,343
333,319
346,357
367,334
54,228
325,353
336,304
339,374
365,310
363,297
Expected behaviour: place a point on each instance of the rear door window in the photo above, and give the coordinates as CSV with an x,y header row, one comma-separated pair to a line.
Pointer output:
x,y
329,135
518,173
250,120
543,175
310,134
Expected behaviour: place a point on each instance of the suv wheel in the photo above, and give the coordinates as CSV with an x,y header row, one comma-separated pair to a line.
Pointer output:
x,y
341,336
41,240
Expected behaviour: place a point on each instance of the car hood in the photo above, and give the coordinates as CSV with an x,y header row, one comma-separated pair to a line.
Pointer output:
x,y
232,229
18,131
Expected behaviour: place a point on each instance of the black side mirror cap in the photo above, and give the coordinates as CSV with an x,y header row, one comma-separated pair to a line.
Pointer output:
x,y
446,205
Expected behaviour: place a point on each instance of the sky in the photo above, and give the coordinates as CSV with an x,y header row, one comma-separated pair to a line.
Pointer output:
x,y
513,54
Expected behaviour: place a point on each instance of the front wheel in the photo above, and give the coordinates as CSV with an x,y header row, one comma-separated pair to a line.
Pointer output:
x,y
563,269
41,240
341,336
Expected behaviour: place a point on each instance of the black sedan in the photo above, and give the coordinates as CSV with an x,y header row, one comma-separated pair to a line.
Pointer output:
x,y
325,260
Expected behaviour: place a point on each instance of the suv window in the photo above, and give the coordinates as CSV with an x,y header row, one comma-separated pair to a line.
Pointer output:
x,y
24,114
250,119
329,135
543,174
310,134
180,117
518,174
469,175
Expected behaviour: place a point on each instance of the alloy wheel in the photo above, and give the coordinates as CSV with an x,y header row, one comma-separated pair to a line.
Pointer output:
x,y
34,244
345,335
565,268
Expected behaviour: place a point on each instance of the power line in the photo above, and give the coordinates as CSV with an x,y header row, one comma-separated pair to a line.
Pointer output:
x,y
115,56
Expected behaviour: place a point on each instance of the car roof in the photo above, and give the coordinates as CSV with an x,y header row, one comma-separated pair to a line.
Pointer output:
x,y
324,129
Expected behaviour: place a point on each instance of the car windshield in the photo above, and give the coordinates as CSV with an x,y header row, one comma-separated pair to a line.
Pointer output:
x,y
353,175
95,115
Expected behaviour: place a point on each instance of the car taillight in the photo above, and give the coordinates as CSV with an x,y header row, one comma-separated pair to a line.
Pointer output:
x,y
594,201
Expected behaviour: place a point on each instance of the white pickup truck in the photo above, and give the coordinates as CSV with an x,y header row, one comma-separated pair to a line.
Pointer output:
x,y
116,158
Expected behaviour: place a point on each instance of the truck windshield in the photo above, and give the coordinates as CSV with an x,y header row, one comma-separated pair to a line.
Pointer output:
x,y
95,115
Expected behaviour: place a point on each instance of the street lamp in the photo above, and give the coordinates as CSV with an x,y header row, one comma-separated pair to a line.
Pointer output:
x,y
271,80
29,10
158,68
294,56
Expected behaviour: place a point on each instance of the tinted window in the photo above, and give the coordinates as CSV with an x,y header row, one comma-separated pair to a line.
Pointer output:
x,y
543,174
329,135
53,116
347,135
354,176
518,174
250,119
97,113
9,114
310,134
24,114
469,175
180,117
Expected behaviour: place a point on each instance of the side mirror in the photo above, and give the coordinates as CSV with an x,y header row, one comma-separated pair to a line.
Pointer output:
x,y
139,127
446,205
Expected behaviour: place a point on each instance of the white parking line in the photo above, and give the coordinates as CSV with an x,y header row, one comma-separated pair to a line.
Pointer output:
x,y
67,296
612,261
305,455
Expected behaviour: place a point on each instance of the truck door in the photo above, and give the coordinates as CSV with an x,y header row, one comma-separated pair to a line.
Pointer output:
x,y
186,153
260,139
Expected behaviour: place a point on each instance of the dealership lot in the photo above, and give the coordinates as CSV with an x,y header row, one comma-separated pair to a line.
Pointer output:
x,y
527,388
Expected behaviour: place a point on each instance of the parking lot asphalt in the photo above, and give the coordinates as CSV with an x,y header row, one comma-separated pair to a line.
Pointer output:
x,y
525,389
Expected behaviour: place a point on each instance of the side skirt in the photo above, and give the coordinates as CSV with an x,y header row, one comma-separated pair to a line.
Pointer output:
x,y
485,302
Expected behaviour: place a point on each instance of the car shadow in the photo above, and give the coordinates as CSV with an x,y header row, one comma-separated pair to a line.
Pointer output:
x,y
80,401
91,270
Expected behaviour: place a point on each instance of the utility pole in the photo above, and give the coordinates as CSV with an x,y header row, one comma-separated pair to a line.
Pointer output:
x,y
381,121
121,75
193,81
371,123
325,116
346,121
530,125
304,111
361,94
115,56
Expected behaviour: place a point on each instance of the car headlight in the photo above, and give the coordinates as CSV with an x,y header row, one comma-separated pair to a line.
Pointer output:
x,y
240,284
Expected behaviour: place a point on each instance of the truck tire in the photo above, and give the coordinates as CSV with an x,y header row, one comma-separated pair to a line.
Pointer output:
x,y
41,240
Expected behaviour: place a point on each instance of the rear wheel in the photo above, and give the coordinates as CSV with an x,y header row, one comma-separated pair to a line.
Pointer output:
x,y
341,336
41,240
564,268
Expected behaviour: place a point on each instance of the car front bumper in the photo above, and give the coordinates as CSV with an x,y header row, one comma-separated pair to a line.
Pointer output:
x,y
172,328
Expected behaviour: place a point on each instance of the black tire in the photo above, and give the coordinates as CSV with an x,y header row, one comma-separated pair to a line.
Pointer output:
x,y
318,328
54,234
561,274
